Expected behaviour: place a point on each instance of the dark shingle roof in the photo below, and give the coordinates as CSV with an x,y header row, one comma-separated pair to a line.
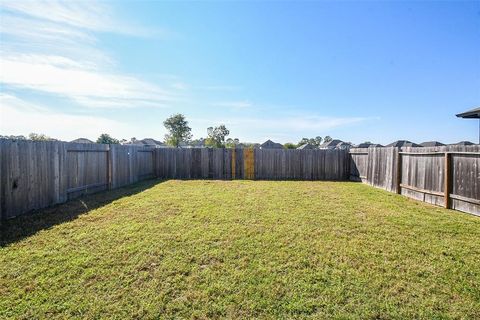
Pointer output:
x,y
463,143
306,146
344,145
431,144
82,140
369,145
331,144
150,141
269,144
403,143
145,142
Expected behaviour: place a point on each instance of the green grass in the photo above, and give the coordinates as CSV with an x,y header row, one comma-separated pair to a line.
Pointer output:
x,y
242,249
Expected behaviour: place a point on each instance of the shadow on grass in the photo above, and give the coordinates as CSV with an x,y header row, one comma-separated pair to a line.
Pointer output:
x,y
21,227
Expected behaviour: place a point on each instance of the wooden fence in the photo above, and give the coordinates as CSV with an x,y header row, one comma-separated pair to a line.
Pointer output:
x,y
35,175
278,164
446,176
260,164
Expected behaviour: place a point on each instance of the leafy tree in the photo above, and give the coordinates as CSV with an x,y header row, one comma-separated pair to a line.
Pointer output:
x,y
39,137
178,130
250,145
196,142
290,145
317,141
105,138
327,139
216,136
232,143
303,141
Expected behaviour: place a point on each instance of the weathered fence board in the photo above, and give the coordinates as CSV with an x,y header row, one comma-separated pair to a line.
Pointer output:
x,y
423,173
269,164
35,175
30,176
86,168
195,163
279,164
130,164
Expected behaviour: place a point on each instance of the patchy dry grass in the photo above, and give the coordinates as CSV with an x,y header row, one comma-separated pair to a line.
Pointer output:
x,y
242,249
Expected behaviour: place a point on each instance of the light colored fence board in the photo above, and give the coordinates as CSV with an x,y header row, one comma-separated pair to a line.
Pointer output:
x,y
374,166
194,163
131,164
30,176
86,168
266,164
35,175
279,164
423,173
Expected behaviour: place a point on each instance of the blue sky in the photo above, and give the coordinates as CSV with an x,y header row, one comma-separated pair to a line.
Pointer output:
x,y
377,71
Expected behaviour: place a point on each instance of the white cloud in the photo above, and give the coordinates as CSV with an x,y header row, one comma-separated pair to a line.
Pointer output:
x,y
92,88
18,117
38,30
89,15
51,48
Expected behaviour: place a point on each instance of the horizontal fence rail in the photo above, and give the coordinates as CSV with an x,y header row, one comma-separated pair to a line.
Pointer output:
x,y
260,164
445,176
34,175
278,164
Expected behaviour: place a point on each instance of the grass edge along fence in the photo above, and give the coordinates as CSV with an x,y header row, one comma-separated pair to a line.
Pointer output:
x,y
445,176
259,164
35,175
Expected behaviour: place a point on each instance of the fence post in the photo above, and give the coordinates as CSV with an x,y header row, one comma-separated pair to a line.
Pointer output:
x,y
399,171
249,163
109,167
154,164
348,164
233,162
447,179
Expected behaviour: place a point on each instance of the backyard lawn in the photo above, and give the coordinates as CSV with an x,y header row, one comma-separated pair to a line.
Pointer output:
x,y
241,249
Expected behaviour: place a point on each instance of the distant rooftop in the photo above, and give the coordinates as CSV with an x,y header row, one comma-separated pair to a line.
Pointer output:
x,y
369,145
403,143
147,142
269,144
463,143
331,144
306,146
82,140
432,144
